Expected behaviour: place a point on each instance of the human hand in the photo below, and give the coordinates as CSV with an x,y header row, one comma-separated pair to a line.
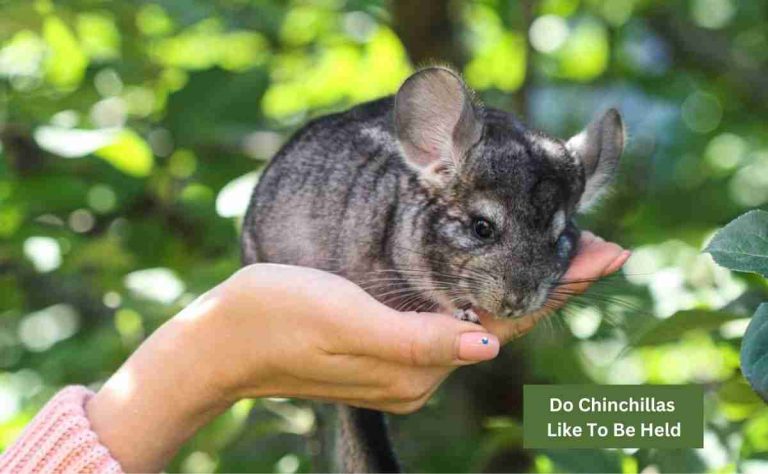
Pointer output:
x,y
275,330
298,332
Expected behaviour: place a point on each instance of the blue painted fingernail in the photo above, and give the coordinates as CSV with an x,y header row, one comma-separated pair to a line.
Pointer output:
x,y
484,340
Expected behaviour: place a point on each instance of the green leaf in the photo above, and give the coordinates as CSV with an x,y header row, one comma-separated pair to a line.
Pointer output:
x,y
584,460
737,399
66,64
129,153
754,352
673,328
586,54
742,245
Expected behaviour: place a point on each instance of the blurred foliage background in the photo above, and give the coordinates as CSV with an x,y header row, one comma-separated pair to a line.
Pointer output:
x,y
133,131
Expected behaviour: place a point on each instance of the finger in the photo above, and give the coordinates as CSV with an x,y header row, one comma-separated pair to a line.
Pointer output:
x,y
594,259
509,329
409,386
395,408
618,263
400,404
421,339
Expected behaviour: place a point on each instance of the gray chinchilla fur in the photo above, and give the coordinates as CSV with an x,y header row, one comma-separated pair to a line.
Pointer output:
x,y
460,206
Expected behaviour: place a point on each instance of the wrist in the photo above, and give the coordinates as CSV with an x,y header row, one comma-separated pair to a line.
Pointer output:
x,y
230,326
159,398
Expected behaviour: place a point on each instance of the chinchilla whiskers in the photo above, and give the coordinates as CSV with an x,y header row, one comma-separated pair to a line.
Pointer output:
x,y
607,281
458,292
400,298
430,259
414,271
416,280
423,304
376,288
590,300
408,277
568,305
413,290
421,276
548,322
601,298
557,319
424,295
404,287
423,291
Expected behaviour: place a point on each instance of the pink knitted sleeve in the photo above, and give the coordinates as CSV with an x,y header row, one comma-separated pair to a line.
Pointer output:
x,y
59,440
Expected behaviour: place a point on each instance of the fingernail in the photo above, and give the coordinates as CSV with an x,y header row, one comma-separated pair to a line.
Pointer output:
x,y
623,257
477,346
618,262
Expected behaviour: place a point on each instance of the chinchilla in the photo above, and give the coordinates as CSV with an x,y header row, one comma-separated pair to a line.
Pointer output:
x,y
431,202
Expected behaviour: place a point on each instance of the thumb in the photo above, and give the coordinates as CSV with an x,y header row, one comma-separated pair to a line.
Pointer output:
x,y
426,339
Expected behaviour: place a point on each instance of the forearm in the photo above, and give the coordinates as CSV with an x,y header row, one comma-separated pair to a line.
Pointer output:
x,y
159,398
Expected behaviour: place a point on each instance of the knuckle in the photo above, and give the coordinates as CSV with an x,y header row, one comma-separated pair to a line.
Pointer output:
x,y
420,347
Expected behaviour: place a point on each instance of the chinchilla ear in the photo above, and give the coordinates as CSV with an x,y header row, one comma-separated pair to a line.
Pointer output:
x,y
436,122
598,148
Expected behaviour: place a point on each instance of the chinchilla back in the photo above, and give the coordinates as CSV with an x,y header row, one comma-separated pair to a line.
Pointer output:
x,y
332,199
337,197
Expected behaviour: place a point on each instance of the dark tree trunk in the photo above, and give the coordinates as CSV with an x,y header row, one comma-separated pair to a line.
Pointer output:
x,y
427,28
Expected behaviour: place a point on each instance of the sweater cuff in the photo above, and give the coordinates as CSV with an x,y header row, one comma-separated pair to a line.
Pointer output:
x,y
59,439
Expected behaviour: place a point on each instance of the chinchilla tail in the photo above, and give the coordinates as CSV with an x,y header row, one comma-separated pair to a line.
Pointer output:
x,y
363,444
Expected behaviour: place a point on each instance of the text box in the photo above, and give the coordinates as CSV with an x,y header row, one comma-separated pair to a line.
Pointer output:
x,y
613,416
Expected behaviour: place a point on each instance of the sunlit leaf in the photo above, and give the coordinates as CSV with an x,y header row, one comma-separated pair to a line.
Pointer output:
x,y
674,327
742,245
585,55
98,35
585,460
23,55
129,324
207,44
738,400
499,59
383,67
756,434
10,220
158,284
501,64
558,7
66,64
42,329
10,430
242,49
152,20
233,198
673,460
129,153
73,143
43,252
304,23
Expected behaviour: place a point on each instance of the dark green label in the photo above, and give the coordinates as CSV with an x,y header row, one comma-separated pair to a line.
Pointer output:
x,y
613,416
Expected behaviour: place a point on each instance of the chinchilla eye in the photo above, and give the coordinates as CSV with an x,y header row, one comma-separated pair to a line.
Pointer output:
x,y
482,229
563,246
